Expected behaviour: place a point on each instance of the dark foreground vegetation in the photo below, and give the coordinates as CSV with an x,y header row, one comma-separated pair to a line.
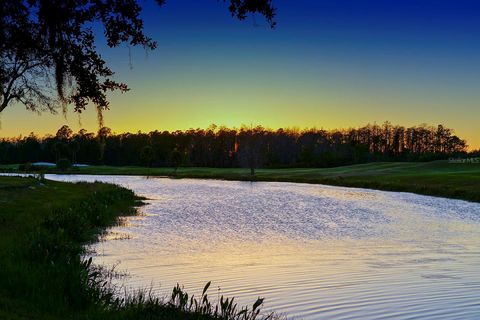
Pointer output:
x,y
43,275
222,147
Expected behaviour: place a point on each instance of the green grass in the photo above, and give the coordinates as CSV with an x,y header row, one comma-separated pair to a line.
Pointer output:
x,y
439,178
44,226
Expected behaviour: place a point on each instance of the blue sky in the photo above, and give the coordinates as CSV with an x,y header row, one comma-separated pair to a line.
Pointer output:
x,y
336,63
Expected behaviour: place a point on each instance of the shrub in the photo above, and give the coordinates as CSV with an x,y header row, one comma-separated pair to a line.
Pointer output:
x,y
25,167
63,164
28,167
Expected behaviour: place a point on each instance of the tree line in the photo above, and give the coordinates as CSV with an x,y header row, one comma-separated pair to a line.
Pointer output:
x,y
238,147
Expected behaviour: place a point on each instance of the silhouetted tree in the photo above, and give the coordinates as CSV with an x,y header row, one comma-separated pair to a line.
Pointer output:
x,y
60,149
147,155
63,164
250,147
74,147
48,47
176,159
64,133
245,147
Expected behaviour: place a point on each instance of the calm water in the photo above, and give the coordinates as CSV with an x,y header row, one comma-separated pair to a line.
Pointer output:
x,y
314,252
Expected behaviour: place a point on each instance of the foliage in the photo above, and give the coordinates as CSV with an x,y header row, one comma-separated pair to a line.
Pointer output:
x,y
26,167
48,55
245,147
63,164
146,156
64,133
176,158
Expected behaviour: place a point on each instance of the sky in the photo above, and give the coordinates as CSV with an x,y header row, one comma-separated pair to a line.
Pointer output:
x,y
328,64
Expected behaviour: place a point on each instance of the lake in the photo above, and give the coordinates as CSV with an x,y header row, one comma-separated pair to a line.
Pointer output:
x,y
313,251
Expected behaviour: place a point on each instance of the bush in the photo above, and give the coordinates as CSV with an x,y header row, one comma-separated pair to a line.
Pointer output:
x,y
63,164
28,167
25,167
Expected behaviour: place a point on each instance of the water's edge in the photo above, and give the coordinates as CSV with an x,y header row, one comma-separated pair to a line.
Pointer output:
x,y
313,251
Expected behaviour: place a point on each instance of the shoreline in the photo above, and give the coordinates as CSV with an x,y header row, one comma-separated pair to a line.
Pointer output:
x,y
439,178
44,274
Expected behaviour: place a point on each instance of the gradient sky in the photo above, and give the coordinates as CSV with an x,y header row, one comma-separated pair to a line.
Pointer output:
x,y
328,64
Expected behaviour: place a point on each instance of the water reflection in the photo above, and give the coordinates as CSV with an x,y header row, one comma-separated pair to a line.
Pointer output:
x,y
314,252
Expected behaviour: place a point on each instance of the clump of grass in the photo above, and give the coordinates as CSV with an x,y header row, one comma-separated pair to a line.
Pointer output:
x,y
225,309
143,304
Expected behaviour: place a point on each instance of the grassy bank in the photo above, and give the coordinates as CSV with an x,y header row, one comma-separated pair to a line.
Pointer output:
x,y
43,228
459,181
440,178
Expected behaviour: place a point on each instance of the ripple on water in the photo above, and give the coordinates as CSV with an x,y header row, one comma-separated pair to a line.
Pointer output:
x,y
314,252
